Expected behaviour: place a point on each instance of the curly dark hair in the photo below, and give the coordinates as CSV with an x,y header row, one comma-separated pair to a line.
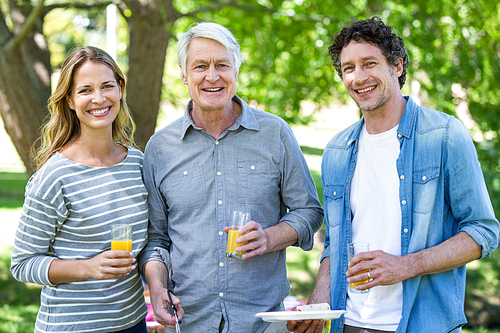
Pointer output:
x,y
373,31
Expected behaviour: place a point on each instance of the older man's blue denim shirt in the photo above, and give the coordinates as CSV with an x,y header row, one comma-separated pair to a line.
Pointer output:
x,y
442,192
194,182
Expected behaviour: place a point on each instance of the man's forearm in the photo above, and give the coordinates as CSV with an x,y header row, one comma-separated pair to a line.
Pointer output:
x,y
156,274
321,292
450,254
280,236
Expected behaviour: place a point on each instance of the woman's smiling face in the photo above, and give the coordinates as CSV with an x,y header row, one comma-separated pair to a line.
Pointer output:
x,y
95,96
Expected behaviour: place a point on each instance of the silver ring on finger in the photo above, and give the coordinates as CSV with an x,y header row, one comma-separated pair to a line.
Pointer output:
x,y
258,242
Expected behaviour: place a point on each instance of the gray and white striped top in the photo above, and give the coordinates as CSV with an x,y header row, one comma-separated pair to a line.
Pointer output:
x,y
67,214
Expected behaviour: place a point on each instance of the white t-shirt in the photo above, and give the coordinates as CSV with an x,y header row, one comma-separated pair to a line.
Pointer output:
x,y
374,200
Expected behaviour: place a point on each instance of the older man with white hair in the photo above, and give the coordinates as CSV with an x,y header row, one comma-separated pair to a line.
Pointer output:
x,y
223,155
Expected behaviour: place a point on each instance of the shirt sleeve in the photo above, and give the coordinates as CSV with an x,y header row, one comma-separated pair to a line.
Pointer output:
x,y
466,189
159,242
31,255
298,192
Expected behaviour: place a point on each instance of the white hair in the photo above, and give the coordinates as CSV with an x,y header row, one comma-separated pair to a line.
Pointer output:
x,y
212,31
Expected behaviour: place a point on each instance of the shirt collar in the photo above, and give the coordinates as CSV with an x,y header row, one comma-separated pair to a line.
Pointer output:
x,y
405,124
246,119
409,117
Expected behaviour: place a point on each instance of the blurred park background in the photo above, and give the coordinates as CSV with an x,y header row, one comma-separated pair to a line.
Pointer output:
x,y
454,62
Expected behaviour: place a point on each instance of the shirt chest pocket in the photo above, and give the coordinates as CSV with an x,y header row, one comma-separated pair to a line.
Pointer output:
x,y
425,186
334,203
254,181
185,188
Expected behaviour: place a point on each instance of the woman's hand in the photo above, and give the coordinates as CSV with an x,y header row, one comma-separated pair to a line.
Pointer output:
x,y
111,264
106,265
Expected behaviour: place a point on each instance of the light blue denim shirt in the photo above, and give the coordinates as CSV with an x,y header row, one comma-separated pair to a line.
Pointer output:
x,y
194,182
442,191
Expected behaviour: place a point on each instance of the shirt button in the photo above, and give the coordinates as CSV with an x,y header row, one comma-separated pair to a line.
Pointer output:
x,y
221,264
185,173
217,142
252,167
219,202
219,173
405,230
402,176
335,193
424,177
403,202
399,135
221,233
221,294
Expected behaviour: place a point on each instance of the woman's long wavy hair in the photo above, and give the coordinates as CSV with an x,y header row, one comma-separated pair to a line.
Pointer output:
x,y
62,126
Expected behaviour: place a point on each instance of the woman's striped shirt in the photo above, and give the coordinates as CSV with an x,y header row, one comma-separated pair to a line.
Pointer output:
x,y
68,212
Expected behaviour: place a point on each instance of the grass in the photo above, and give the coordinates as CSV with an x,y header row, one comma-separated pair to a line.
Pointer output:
x,y
20,301
12,189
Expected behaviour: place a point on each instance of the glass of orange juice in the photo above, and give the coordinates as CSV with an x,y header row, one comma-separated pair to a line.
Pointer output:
x,y
121,238
238,220
352,250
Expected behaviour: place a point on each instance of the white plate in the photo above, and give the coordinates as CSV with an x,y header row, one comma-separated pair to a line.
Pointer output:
x,y
299,315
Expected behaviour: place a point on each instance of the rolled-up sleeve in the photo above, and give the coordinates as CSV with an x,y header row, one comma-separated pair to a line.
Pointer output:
x,y
467,192
298,192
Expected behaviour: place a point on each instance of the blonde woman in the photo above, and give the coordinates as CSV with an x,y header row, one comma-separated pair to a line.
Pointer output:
x,y
88,177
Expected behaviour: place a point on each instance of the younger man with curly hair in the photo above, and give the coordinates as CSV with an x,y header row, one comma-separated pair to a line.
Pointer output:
x,y
405,179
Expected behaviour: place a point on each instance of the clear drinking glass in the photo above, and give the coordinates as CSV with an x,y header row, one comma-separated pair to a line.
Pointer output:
x,y
352,250
238,220
121,238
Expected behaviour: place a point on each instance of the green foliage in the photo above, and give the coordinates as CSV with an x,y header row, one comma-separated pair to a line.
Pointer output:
x,y
302,269
66,28
286,59
317,180
63,32
482,302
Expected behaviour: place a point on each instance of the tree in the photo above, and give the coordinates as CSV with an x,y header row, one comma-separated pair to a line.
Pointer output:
x,y
24,75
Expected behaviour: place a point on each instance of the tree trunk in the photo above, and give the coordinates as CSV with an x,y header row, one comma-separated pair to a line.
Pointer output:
x,y
149,37
24,86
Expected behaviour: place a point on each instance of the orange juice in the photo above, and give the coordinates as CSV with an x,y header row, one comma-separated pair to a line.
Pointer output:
x,y
121,244
232,235
353,285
